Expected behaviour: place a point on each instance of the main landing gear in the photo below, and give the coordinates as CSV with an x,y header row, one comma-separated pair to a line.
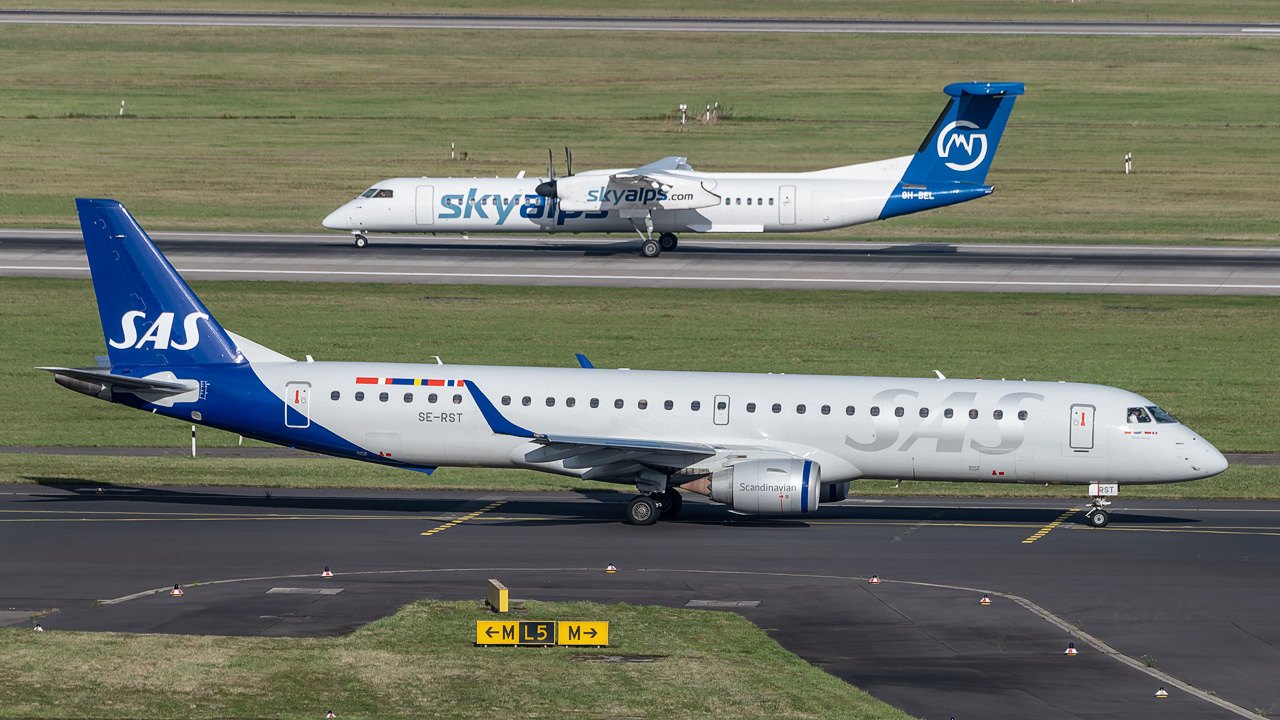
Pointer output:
x,y
360,240
650,247
646,509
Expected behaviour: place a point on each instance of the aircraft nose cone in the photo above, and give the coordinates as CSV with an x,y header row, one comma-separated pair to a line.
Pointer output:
x,y
336,220
1211,462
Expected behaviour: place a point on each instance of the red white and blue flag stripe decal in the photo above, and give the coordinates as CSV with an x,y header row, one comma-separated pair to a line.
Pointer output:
x,y
410,381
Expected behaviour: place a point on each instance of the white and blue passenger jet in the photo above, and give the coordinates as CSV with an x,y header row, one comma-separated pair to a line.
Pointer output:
x,y
774,444
668,197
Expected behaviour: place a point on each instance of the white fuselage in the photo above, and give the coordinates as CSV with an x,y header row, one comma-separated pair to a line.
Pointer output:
x,y
747,203
854,427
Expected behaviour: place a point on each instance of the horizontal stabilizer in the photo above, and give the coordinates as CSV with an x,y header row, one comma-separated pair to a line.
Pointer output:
x,y
100,381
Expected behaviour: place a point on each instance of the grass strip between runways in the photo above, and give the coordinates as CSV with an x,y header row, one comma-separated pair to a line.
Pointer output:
x,y
422,662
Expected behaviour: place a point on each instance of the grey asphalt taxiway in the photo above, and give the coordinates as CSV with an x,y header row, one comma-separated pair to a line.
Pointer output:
x,y
1173,594
700,262
562,23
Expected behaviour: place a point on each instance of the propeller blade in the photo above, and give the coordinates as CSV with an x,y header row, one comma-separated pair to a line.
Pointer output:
x,y
568,157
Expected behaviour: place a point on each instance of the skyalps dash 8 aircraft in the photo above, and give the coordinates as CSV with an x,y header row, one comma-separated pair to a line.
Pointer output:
x,y
774,444
669,197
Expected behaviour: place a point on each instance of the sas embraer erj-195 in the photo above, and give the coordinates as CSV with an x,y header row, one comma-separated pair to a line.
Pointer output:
x,y
761,443
668,197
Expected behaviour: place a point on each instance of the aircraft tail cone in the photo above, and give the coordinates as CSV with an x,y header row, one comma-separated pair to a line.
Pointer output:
x,y
326,572
1071,649
1161,693
611,568
875,580
175,592
985,600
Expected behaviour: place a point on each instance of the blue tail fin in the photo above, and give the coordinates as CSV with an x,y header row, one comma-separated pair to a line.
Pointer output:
x,y
951,165
149,315
962,143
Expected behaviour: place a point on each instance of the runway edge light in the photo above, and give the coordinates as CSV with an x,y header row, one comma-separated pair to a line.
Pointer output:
x,y
1071,649
611,568
326,572
330,714
176,591
985,600
38,628
1161,693
875,580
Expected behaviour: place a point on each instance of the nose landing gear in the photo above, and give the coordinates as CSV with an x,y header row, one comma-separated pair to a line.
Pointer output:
x,y
360,240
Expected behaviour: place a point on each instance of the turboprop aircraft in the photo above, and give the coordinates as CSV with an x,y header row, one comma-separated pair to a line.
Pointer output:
x,y
668,196
774,444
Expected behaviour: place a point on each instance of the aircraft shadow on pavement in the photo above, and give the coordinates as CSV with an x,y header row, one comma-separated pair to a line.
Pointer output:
x,y
588,507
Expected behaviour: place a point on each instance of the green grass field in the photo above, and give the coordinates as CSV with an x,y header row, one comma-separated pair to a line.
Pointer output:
x,y
270,129
422,662
1112,10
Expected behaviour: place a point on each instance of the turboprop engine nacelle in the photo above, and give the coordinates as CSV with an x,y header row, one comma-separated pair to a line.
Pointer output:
x,y
783,486
594,193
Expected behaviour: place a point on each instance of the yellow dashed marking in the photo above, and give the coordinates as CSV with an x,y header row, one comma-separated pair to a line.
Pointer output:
x,y
464,518
1045,530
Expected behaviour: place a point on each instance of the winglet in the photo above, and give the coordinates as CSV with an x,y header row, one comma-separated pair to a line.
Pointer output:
x,y
497,423
583,361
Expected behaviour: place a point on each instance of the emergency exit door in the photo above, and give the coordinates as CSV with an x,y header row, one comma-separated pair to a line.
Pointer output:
x,y
721,413
1082,427
426,205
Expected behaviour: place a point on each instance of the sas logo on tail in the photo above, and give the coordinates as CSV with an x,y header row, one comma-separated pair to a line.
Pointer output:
x,y
159,334
948,140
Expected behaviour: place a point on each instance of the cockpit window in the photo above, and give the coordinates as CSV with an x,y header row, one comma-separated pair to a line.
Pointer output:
x,y
1161,416
382,193
1137,415
368,193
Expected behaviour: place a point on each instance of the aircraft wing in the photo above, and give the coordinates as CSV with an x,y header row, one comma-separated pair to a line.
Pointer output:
x,y
602,457
127,383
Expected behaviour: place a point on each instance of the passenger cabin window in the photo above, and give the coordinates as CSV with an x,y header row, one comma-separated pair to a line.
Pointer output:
x,y
1137,415
668,405
408,397
595,402
359,397
924,412
383,397
695,406
335,395
899,411
848,409
432,398
722,405
526,400
642,404
770,201
777,407
973,414
570,402
1160,415
826,409
1022,414
457,399
800,409
948,413
618,403
751,407
506,400
551,402
875,411
998,414
383,193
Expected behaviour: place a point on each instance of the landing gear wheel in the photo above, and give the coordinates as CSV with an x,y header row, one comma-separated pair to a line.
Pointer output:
x,y
668,241
671,503
651,248
642,510
361,241
1099,518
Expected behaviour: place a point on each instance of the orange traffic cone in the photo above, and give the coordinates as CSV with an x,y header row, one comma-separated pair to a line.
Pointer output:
x,y
1071,649
985,600
875,580
176,591
611,568
1161,693
326,572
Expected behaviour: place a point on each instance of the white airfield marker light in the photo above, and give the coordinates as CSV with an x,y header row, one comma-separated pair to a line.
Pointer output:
x,y
175,592
1071,649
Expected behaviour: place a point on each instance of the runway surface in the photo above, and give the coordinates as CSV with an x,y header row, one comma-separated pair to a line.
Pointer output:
x,y
698,263
1186,587
637,24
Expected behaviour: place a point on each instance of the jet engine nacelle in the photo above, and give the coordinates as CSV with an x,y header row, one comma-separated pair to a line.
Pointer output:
x,y
783,486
